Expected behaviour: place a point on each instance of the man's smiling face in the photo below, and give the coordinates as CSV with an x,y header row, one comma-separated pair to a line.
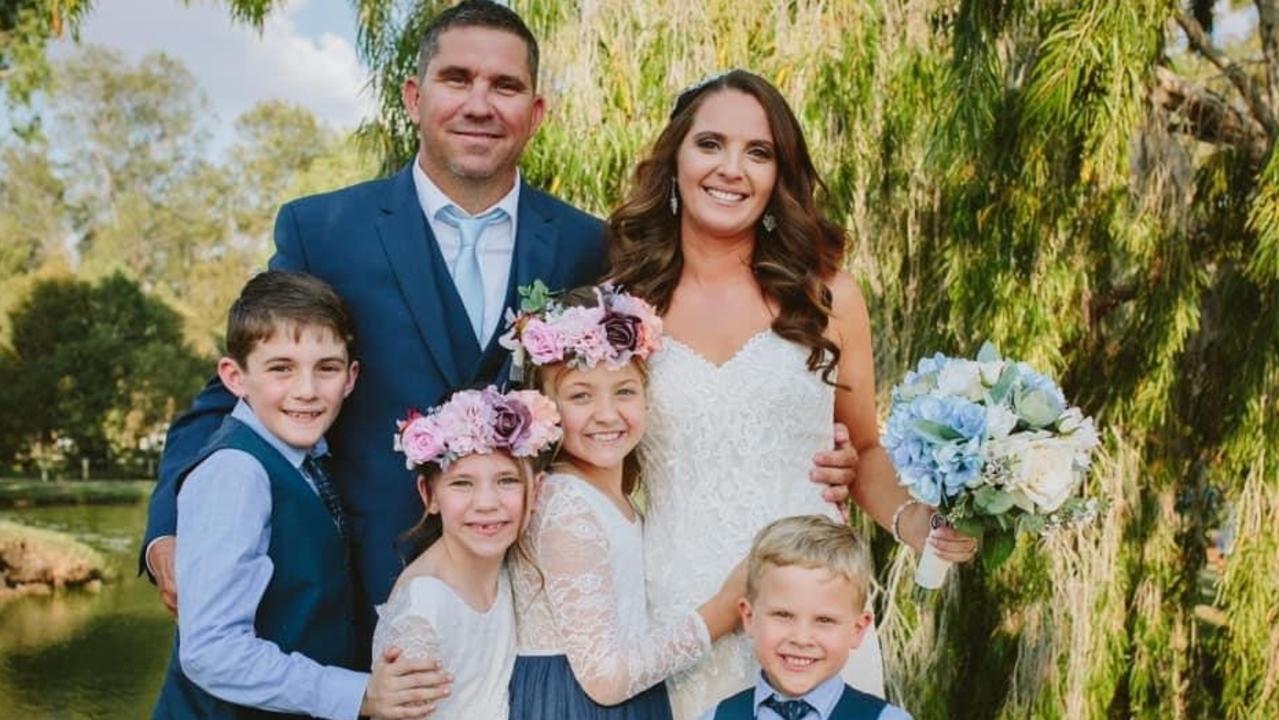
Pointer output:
x,y
475,106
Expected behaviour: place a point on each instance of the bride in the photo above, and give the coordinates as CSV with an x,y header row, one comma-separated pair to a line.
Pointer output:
x,y
766,342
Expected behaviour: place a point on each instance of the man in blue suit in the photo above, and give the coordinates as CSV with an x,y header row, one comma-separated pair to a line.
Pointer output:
x,y
427,260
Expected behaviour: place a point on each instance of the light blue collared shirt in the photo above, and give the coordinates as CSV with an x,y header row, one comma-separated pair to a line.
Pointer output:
x,y
496,244
224,530
823,698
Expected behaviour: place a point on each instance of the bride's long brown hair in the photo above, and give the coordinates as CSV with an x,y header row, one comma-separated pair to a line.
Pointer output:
x,y
791,264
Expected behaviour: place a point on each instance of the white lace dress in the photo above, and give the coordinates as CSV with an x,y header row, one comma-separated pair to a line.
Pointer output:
x,y
585,602
728,449
426,619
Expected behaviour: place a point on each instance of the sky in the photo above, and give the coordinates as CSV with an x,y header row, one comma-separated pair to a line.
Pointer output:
x,y
305,53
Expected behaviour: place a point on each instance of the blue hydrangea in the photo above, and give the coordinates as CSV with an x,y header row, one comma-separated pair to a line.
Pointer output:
x,y
934,464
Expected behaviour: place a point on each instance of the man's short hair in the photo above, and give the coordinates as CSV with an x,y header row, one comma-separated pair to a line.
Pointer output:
x,y
476,13
811,541
280,301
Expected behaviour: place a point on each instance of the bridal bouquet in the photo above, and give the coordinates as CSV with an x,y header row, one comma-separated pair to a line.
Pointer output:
x,y
994,446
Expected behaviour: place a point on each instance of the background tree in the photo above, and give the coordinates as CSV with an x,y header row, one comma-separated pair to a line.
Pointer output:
x,y
101,365
1092,185
26,28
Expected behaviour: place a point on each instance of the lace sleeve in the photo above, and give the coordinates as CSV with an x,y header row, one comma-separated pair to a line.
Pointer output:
x,y
401,626
572,550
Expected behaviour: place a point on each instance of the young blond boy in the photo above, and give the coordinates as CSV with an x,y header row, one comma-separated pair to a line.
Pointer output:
x,y
264,591
805,610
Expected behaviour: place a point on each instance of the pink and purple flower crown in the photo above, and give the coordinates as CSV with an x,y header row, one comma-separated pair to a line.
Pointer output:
x,y
619,328
521,422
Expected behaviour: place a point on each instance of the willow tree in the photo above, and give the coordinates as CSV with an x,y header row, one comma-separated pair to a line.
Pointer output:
x,y
1092,185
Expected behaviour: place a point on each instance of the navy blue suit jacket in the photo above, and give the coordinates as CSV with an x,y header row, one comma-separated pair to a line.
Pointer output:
x,y
372,243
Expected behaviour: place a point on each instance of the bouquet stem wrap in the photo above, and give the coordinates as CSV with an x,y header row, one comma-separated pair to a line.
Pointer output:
x,y
931,571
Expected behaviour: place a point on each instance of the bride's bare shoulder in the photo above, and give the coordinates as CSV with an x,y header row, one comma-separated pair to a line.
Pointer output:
x,y
848,307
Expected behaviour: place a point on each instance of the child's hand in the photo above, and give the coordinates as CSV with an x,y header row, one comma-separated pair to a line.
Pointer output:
x,y
404,688
720,612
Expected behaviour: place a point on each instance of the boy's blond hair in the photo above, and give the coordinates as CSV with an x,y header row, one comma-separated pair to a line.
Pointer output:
x,y
811,541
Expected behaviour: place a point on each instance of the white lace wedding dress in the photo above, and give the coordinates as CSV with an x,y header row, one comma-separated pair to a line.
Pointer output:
x,y
728,449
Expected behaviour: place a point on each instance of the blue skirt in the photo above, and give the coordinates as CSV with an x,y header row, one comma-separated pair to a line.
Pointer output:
x,y
543,688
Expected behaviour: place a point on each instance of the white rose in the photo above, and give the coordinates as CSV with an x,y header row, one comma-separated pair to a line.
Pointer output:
x,y
1070,420
1085,440
1045,473
990,372
1000,421
961,378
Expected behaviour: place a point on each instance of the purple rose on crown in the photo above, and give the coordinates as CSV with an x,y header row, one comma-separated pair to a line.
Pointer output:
x,y
512,420
622,331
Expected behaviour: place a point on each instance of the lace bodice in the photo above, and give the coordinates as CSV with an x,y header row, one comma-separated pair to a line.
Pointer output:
x,y
585,597
426,619
727,450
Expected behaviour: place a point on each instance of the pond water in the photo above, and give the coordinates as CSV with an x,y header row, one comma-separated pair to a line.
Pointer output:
x,y
78,654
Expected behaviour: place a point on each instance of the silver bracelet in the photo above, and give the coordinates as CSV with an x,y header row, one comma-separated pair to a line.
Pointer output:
x,y
897,516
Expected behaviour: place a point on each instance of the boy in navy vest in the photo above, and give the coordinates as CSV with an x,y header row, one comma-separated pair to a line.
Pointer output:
x,y
805,610
264,603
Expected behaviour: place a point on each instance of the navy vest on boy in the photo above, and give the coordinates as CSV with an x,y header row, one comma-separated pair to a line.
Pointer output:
x,y
306,607
852,705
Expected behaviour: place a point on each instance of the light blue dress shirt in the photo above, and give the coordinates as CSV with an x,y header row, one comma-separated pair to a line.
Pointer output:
x,y
823,698
224,530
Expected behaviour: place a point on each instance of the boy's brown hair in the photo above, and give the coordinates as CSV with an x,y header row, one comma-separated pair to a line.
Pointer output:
x,y
811,541
282,301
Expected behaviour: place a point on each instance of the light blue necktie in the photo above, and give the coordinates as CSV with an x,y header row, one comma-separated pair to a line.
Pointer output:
x,y
466,264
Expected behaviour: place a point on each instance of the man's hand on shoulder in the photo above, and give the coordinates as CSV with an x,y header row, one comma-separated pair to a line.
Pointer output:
x,y
160,564
836,469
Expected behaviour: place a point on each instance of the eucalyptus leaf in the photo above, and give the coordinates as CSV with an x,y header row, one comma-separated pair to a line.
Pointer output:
x,y
969,526
935,431
1031,524
1005,384
988,353
997,547
993,501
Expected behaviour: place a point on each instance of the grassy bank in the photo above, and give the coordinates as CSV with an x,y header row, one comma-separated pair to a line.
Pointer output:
x,y
35,560
30,493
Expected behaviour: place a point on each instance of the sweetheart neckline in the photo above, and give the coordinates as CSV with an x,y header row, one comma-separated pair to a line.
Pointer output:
x,y
752,340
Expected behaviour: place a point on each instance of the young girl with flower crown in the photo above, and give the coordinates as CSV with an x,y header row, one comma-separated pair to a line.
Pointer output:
x,y
586,647
474,458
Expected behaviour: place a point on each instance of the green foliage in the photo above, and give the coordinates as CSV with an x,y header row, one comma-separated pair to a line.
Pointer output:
x,y
26,29
1070,179
1024,171
100,366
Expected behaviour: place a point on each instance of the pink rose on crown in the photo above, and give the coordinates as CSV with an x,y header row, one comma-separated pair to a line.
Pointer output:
x,y
421,441
466,421
545,426
542,342
649,338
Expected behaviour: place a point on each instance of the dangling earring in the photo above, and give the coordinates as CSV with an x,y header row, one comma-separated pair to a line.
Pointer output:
x,y
769,221
674,199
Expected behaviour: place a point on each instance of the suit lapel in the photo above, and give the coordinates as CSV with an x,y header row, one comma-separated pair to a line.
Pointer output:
x,y
411,250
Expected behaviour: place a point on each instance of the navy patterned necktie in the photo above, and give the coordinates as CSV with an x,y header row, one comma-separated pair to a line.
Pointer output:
x,y
328,494
788,709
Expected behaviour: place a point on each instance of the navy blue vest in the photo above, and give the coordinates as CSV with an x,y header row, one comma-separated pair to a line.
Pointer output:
x,y
307,606
852,705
